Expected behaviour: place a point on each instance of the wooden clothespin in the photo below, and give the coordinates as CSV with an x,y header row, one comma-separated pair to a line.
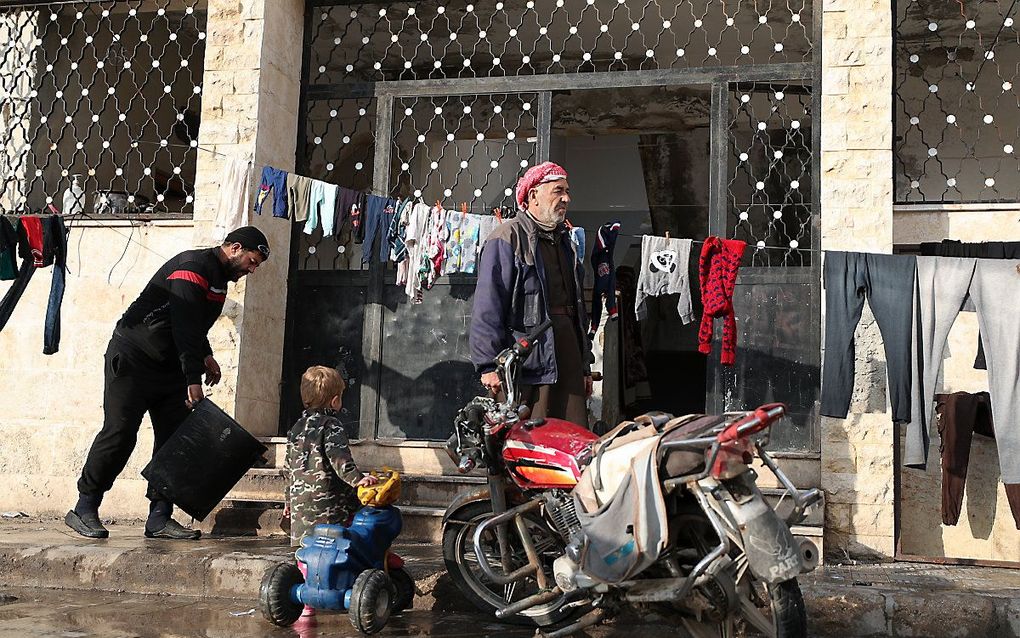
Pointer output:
x,y
498,213
439,205
464,207
667,234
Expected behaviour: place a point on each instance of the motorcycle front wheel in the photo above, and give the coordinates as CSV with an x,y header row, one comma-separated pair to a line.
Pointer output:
x,y
462,564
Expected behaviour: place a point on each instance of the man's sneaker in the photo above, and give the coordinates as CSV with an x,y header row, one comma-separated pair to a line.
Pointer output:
x,y
87,524
174,531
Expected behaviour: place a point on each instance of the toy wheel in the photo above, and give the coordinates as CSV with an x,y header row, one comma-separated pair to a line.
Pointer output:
x,y
371,601
274,594
404,585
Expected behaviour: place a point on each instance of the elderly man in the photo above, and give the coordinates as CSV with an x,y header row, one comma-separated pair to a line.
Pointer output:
x,y
529,272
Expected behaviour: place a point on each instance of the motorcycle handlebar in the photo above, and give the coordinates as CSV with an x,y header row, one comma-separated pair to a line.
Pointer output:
x,y
753,423
526,344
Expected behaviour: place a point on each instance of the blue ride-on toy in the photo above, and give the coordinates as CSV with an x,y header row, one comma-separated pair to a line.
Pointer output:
x,y
348,568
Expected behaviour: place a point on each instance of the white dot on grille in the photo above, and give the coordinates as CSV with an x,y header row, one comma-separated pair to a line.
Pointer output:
x,y
1008,148
467,109
745,49
59,94
711,51
779,95
934,88
453,36
989,55
482,33
635,26
543,31
989,119
494,164
511,135
777,214
79,146
507,191
318,140
680,53
572,30
63,41
43,119
932,26
649,53
951,119
106,144
1008,22
760,244
421,139
666,24
989,182
794,184
762,19
450,137
762,126
405,166
729,22
745,98
362,111
119,172
329,166
914,120
496,61
951,181
526,59
743,215
197,90
556,57
604,28
408,111
382,12
524,163
365,40
469,8
67,120
914,59
193,144
147,171
167,89
1007,86
513,33
497,109
122,117
447,192
346,139
377,66
349,67
778,155
795,17
437,64
480,137
618,55
417,193
49,67
760,186
359,166
779,46
794,243
394,38
914,184
478,192
698,23
164,143
49,200
434,165
586,57
795,124
743,157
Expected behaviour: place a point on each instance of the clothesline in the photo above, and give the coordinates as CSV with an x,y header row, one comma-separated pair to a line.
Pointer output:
x,y
750,245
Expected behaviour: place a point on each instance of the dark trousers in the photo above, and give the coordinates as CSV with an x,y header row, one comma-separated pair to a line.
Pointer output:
x,y
888,283
16,290
134,385
960,416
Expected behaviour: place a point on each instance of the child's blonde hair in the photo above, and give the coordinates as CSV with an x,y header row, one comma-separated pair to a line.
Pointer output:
x,y
319,385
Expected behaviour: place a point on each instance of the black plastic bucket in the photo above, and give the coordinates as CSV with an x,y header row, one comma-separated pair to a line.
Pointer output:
x,y
203,460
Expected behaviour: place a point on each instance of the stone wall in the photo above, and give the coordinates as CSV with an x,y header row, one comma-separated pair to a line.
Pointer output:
x,y
856,204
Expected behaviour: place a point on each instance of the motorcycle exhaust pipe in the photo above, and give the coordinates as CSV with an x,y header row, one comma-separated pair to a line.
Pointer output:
x,y
535,600
809,557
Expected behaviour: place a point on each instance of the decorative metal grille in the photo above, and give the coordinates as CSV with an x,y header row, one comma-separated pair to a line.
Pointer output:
x,y
770,183
339,149
110,91
957,112
463,148
418,40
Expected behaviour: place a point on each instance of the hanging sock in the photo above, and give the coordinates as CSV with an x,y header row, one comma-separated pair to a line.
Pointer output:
x,y
717,272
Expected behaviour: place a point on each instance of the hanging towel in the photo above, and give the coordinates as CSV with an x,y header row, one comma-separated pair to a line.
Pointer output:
x,y
470,229
273,182
717,272
664,264
234,200
453,250
398,240
433,252
605,275
415,237
299,191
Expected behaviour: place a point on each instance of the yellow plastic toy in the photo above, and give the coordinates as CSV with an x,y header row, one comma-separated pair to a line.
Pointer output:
x,y
383,493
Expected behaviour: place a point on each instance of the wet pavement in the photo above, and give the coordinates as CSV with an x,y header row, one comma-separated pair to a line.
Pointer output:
x,y
47,613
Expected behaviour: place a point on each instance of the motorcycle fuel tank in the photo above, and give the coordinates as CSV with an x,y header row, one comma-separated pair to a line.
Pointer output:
x,y
546,455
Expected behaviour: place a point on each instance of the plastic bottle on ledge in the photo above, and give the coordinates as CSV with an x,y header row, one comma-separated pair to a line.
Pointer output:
x,y
74,197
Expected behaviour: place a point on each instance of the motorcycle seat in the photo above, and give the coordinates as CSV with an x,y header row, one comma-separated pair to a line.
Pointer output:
x,y
655,419
675,463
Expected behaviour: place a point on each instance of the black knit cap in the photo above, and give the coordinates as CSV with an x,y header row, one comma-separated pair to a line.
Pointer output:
x,y
250,238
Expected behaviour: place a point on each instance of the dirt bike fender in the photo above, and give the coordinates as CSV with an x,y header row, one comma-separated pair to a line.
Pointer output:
x,y
462,499
772,553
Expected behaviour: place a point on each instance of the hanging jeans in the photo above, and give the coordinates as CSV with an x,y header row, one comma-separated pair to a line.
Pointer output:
x,y
378,215
994,286
888,283
51,331
14,293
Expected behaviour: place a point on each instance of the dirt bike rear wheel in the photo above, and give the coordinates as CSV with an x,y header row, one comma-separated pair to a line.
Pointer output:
x,y
462,564
788,614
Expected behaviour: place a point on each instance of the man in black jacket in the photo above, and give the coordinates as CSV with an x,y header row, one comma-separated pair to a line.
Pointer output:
x,y
154,363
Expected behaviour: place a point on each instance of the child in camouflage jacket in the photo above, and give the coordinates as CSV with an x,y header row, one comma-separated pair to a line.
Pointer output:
x,y
321,472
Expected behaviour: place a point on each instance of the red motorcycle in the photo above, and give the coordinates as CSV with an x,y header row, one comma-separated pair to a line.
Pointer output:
x,y
573,528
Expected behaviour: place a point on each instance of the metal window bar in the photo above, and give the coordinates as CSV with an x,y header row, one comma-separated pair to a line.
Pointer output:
x,y
110,91
957,112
